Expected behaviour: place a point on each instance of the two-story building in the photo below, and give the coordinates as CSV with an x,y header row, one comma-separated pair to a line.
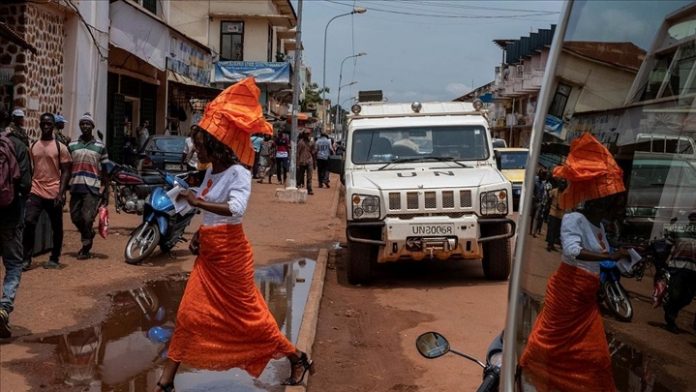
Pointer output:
x,y
248,38
53,59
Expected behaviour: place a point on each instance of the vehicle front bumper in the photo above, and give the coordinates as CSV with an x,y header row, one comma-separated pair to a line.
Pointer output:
x,y
438,237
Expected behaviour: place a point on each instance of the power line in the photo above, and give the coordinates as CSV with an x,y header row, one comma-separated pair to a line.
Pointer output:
x,y
438,4
89,30
449,16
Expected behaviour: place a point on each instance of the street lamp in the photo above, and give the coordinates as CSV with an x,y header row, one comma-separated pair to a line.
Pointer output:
x,y
356,10
338,100
340,79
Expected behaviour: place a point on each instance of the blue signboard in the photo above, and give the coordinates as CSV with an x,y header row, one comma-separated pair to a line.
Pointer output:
x,y
263,72
553,125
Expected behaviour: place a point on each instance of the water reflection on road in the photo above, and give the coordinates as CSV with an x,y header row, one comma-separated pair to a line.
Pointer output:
x,y
127,350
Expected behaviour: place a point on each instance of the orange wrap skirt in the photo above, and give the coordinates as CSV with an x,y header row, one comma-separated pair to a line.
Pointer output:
x,y
567,349
223,321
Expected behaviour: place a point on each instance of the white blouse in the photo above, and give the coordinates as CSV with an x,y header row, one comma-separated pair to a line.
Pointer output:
x,y
578,233
232,186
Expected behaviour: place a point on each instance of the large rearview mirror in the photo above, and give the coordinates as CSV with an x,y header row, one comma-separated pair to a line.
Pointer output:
x,y
336,164
432,345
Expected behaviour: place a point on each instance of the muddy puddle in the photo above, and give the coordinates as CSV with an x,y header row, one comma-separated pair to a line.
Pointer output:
x,y
635,370
127,350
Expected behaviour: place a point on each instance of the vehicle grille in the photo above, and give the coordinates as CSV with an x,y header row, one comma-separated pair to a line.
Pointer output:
x,y
394,201
465,199
430,200
412,200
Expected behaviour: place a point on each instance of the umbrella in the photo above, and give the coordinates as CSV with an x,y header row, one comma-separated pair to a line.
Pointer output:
x,y
591,172
234,115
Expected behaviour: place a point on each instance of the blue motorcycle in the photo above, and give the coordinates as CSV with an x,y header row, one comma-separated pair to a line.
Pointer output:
x,y
162,225
611,293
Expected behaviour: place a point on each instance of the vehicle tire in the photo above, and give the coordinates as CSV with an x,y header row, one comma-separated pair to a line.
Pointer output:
x,y
617,301
360,260
497,254
142,243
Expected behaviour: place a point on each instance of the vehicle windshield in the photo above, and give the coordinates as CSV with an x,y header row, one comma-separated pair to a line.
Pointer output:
x,y
510,160
461,143
167,144
607,266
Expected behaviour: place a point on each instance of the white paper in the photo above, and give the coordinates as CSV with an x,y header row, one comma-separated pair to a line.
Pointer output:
x,y
626,265
181,206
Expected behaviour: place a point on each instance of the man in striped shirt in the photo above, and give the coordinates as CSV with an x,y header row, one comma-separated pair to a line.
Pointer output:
x,y
89,185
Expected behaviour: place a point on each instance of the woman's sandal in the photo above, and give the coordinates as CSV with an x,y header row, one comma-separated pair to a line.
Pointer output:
x,y
302,363
167,387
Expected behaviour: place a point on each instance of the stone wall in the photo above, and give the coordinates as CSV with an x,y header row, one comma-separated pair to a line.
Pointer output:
x,y
38,78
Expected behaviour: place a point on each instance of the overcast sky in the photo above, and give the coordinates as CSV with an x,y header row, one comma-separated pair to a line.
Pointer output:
x,y
416,50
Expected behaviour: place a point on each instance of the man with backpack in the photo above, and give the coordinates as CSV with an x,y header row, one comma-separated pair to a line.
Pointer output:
x,y
15,183
16,126
51,162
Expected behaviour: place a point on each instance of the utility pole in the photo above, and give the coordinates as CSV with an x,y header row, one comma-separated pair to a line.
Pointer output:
x,y
292,181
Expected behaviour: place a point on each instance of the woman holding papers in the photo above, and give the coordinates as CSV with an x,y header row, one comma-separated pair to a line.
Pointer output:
x,y
567,349
223,321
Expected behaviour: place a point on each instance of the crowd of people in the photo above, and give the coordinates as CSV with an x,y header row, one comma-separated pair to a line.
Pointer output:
x,y
36,177
273,158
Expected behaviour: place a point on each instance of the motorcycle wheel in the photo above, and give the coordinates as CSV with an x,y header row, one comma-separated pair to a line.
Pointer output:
x,y
617,301
142,243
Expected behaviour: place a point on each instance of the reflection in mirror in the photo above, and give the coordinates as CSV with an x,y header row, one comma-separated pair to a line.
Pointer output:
x,y
432,345
621,115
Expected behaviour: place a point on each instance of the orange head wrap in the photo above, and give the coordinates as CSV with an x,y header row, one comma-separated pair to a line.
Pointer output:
x,y
234,115
591,172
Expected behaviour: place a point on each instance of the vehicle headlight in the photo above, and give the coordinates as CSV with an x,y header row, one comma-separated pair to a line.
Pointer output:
x,y
494,203
365,206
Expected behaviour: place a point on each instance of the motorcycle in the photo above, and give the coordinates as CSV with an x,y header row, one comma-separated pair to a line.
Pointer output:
x,y
611,292
162,225
433,345
132,189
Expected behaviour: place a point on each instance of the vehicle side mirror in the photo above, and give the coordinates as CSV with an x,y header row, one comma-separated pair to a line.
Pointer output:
x,y
496,154
336,164
432,345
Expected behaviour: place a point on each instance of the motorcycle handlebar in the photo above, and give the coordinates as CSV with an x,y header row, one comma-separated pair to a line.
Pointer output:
x,y
489,382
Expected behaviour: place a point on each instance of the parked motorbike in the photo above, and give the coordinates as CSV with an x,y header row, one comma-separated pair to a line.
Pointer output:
x,y
433,345
611,292
132,189
162,225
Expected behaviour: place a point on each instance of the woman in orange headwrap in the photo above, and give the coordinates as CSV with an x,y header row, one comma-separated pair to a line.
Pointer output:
x,y
223,321
567,349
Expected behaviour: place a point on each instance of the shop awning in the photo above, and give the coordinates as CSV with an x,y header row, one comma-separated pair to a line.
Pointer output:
x,y
263,72
157,43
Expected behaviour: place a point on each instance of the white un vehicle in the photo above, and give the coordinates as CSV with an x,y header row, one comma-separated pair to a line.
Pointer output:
x,y
421,183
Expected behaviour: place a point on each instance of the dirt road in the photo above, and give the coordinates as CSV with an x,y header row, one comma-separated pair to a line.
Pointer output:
x,y
366,335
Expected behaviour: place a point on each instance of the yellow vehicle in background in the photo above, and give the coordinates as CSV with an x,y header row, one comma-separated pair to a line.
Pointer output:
x,y
511,162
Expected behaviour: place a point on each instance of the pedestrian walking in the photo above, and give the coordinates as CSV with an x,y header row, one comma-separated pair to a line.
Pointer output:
x,y
223,321
553,230
17,126
256,141
282,144
143,135
306,162
324,151
51,162
567,348
266,159
87,189
15,183
60,126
